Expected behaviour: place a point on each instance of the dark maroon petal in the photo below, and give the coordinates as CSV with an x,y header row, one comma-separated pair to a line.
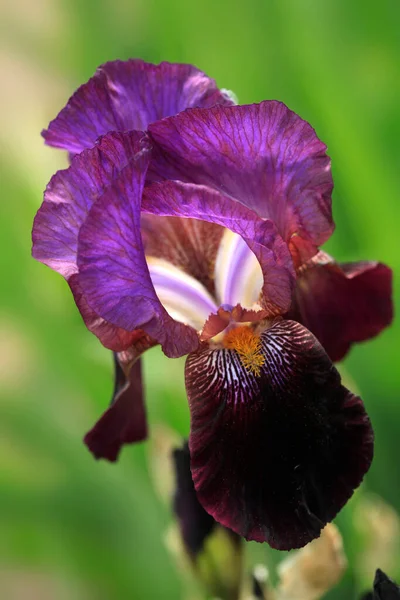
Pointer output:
x,y
263,155
384,587
123,96
72,192
276,455
113,273
173,198
343,303
189,244
124,422
195,523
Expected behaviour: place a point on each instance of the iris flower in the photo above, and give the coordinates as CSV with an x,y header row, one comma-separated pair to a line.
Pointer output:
x,y
188,221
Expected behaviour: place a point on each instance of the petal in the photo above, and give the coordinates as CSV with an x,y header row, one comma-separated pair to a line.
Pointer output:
x,y
275,456
189,244
238,275
263,155
125,420
112,337
123,96
72,192
216,553
184,298
384,588
195,523
343,303
113,272
172,198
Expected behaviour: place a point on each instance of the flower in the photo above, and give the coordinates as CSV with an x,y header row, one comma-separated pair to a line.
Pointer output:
x,y
202,235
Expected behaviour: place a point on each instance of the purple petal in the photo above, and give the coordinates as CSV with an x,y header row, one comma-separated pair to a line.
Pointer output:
x,y
125,421
123,96
263,155
113,272
275,454
172,198
189,244
72,192
113,338
343,303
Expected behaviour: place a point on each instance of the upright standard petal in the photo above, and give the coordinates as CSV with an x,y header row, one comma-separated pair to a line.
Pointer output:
x,y
174,198
113,273
72,192
342,303
263,155
124,422
277,444
67,201
128,95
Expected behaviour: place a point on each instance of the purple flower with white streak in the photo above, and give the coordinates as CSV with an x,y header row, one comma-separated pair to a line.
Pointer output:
x,y
199,231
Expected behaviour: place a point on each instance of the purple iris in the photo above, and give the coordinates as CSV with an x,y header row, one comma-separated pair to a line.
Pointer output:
x,y
190,222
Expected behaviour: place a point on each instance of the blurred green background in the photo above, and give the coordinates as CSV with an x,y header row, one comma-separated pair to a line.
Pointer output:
x,y
75,529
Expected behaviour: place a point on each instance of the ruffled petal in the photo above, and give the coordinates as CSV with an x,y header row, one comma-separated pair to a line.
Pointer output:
x,y
124,422
173,198
342,303
127,95
275,454
72,192
263,155
113,273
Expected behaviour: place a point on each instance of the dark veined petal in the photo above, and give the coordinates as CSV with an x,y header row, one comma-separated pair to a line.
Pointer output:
x,y
72,192
124,422
263,155
343,303
173,198
279,445
113,273
127,95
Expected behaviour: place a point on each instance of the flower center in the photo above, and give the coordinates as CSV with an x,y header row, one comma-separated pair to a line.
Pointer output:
x,y
248,346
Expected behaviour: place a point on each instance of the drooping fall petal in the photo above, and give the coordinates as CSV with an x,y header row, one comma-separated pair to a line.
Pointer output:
x,y
342,303
277,444
124,422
